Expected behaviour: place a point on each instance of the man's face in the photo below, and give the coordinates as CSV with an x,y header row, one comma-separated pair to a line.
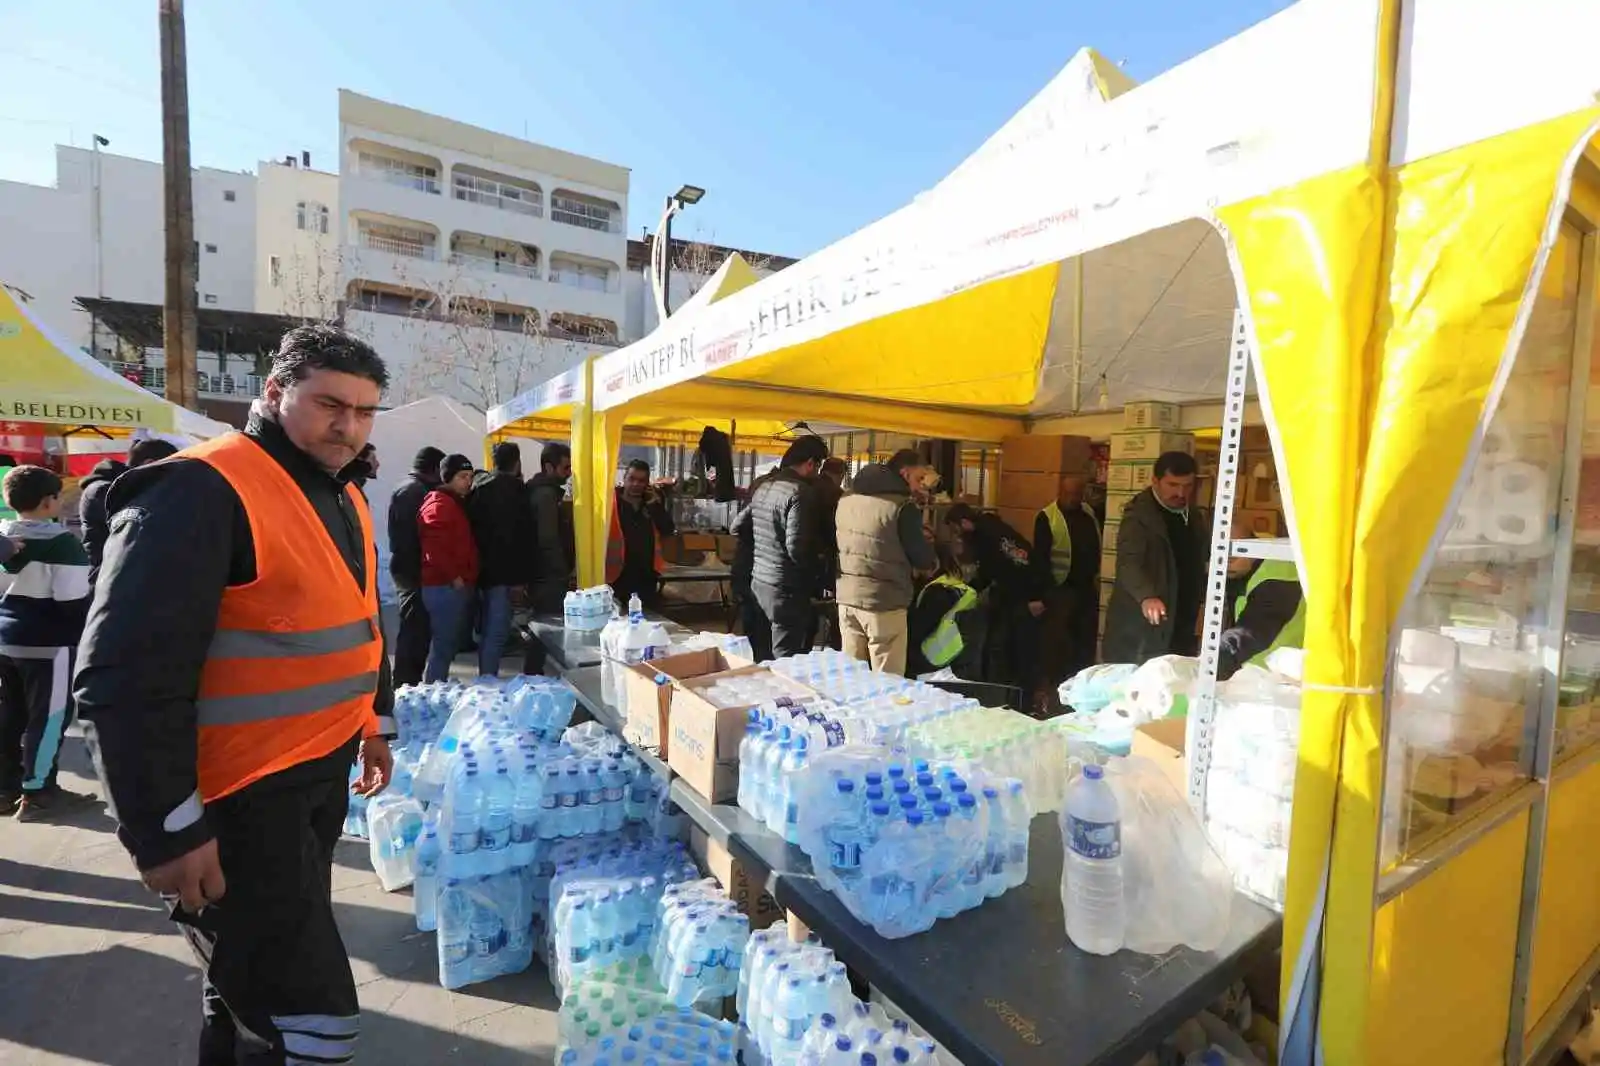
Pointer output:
x,y
634,482
460,483
1174,490
915,476
1071,493
807,469
560,471
328,415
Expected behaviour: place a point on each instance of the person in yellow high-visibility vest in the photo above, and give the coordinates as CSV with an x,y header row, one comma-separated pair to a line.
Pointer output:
x,y
1065,560
1269,614
947,624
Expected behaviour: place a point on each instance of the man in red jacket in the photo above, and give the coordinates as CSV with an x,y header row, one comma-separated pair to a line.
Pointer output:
x,y
449,562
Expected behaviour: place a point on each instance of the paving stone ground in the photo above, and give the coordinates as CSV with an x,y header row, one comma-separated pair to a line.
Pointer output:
x,y
91,971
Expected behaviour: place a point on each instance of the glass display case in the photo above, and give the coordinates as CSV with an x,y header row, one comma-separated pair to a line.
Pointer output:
x,y
1485,649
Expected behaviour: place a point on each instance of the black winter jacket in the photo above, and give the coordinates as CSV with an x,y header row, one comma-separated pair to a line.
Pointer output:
x,y
405,539
783,521
92,510
555,543
501,512
179,537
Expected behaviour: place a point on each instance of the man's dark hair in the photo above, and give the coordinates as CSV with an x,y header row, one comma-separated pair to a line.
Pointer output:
x,y
553,453
905,457
960,512
833,465
805,450
427,460
507,457
151,450
1178,464
639,464
26,487
319,346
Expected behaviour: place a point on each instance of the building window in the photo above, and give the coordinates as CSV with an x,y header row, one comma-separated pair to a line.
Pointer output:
x,y
274,271
211,248
311,216
398,172
211,297
576,209
228,195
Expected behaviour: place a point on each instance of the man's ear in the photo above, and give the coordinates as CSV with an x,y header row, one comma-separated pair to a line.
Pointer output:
x,y
272,395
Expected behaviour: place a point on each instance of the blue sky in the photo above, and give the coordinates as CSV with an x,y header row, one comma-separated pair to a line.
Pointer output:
x,y
804,121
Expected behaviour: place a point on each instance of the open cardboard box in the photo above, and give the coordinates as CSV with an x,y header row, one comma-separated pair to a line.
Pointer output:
x,y
1163,743
745,891
704,747
648,701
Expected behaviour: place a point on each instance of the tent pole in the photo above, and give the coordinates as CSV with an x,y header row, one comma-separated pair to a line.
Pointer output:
x,y
1077,334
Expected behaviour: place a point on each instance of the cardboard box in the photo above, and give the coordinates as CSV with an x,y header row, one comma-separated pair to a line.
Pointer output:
x,y
1027,490
1041,453
716,860
1129,476
1259,522
1151,415
1255,439
1162,742
1116,503
1261,492
1148,444
704,744
648,701
1020,519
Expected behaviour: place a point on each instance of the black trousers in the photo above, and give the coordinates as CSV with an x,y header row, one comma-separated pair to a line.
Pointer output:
x,y
754,622
278,988
411,642
35,708
789,614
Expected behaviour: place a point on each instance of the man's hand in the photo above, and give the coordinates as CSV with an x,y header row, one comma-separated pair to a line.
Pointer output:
x,y
377,763
1036,608
196,877
458,584
1155,612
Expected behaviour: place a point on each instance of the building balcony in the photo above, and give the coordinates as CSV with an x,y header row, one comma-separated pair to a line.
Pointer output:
x,y
501,193
396,244
483,264
396,166
585,212
241,387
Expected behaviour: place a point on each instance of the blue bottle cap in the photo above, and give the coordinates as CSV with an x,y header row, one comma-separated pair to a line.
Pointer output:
x,y
966,800
880,810
900,1025
842,1044
941,809
826,1020
933,795
896,770
868,1059
924,779
901,1055
874,793
908,803
990,793
874,778
1093,773
845,785
913,817
902,787
920,764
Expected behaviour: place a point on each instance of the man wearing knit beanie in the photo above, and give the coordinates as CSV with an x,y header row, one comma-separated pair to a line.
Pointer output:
x,y
405,565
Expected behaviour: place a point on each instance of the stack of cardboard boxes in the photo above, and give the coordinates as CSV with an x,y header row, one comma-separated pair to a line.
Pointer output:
x,y
1031,469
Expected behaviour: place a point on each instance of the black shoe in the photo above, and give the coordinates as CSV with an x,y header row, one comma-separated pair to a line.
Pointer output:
x,y
52,802
9,798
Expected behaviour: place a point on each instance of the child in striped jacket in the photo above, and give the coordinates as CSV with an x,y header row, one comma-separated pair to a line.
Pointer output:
x,y
41,618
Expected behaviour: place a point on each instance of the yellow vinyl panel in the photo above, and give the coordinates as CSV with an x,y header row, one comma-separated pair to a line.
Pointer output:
x,y
982,347
1442,959
1568,929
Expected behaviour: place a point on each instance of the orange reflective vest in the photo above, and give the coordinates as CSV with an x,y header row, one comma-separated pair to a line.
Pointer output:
x,y
293,668
616,546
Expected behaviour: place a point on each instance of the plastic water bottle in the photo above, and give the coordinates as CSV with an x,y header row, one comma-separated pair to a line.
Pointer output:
x,y
526,807
789,789
1019,825
749,757
494,844
425,888
465,807
1091,876
455,936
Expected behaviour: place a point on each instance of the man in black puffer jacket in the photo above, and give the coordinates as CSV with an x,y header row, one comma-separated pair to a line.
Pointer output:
x,y
783,520
501,513
92,502
405,566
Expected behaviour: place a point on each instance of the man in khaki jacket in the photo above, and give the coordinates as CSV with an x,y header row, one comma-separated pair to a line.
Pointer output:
x,y
881,545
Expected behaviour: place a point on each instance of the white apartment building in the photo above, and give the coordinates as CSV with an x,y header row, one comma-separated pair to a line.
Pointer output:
x,y
98,231
477,263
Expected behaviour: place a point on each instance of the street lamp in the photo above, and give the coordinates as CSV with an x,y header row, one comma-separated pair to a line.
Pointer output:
x,y
684,197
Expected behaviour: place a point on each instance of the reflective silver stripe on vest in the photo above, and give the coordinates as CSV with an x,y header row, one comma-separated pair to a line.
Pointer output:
x,y
267,644
237,710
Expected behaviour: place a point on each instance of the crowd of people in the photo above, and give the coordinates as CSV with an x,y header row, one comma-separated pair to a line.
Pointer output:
x,y
218,628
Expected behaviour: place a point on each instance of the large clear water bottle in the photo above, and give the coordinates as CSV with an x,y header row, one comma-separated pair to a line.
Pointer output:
x,y
425,889
1091,875
455,934
494,843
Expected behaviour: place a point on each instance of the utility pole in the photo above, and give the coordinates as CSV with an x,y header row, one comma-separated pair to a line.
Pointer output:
x,y
179,327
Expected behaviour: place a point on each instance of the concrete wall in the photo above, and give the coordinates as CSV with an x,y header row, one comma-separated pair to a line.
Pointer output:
x,y
297,271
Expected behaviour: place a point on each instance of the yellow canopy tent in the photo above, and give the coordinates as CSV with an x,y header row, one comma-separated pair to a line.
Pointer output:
x,y
1381,206
43,379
